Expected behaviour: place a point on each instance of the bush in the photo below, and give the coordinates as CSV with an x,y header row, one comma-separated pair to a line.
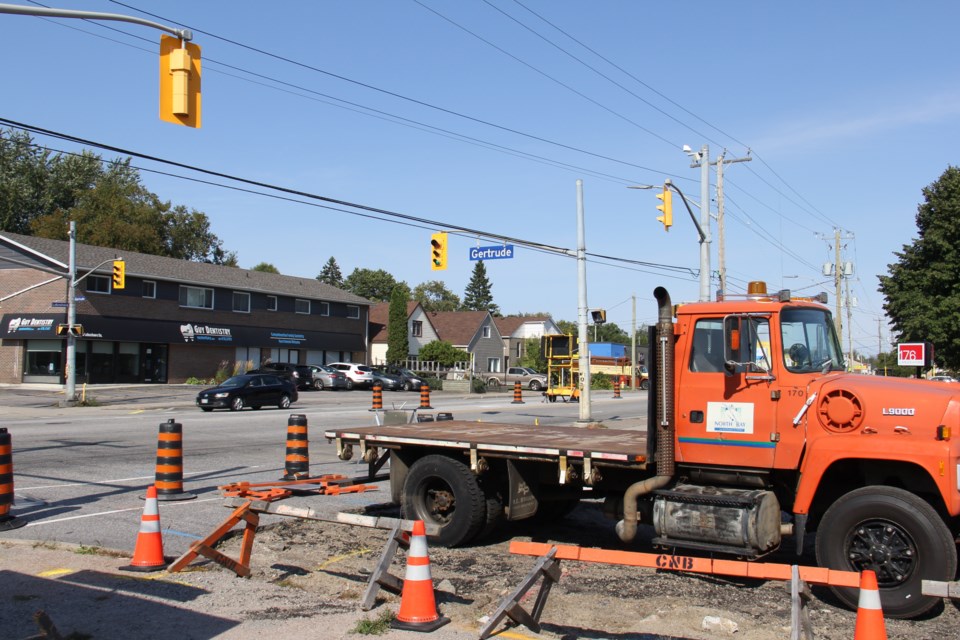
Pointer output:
x,y
601,381
477,386
436,384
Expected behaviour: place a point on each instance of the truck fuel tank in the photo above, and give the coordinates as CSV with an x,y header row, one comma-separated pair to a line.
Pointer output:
x,y
742,522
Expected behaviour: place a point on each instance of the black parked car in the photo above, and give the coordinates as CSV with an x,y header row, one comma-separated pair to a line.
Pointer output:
x,y
300,374
409,380
249,390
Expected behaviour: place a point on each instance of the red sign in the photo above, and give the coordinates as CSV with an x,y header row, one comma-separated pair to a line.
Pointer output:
x,y
912,354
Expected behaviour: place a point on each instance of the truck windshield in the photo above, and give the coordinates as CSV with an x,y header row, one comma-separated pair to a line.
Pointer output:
x,y
809,341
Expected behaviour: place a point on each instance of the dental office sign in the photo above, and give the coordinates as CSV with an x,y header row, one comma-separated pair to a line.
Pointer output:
x,y
914,354
498,252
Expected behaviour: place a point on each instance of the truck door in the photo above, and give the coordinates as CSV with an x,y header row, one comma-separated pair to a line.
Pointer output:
x,y
723,419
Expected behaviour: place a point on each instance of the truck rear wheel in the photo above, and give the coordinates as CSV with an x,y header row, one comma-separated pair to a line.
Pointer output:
x,y
897,535
443,491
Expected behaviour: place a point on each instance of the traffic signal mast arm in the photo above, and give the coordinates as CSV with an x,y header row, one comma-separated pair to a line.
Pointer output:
x,y
667,183
183,34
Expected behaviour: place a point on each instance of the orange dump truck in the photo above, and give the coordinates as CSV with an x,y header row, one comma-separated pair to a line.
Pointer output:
x,y
757,438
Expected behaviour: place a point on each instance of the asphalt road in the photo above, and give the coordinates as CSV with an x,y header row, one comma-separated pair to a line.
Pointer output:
x,y
80,472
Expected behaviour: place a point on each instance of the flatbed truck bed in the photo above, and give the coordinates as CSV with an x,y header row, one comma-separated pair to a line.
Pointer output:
x,y
503,440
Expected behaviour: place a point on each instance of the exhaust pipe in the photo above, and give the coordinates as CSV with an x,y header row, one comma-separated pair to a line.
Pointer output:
x,y
665,459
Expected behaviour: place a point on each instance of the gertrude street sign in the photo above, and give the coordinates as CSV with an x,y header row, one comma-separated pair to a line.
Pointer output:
x,y
492,253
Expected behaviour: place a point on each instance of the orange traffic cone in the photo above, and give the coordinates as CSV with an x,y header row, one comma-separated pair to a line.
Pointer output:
x,y
418,607
869,613
148,552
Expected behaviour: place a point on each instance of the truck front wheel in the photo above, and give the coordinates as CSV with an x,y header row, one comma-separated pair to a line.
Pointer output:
x,y
443,491
898,536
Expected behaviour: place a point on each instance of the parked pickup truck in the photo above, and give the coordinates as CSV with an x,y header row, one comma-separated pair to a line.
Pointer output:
x,y
527,377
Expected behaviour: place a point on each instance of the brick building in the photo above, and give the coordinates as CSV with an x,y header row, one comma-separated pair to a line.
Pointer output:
x,y
174,319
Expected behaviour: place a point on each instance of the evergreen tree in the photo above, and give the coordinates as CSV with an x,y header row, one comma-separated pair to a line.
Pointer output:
x,y
398,344
330,274
922,289
478,295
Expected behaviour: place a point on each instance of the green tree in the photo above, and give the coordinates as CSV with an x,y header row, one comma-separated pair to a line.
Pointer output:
x,y
533,356
41,192
376,285
265,267
443,352
478,295
922,290
330,274
569,327
434,296
398,343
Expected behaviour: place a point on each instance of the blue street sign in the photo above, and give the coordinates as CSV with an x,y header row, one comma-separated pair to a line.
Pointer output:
x,y
497,252
79,298
58,304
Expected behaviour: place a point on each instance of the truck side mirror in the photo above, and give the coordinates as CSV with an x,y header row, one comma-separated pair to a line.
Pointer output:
x,y
733,327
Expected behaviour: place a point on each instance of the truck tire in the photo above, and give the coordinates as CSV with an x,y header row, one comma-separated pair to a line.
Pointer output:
x,y
644,384
493,383
536,385
494,511
444,492
897,535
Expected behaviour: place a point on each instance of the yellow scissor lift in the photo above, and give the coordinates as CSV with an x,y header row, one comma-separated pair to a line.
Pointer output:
x,y
563,375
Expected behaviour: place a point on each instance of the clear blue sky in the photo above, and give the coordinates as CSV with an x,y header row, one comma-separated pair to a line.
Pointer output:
x,y
850,109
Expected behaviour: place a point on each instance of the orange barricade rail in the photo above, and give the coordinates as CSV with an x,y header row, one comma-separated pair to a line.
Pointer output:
x,y
670,562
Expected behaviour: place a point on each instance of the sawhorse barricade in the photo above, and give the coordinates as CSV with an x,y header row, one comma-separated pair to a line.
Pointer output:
x,y
550,556
251,498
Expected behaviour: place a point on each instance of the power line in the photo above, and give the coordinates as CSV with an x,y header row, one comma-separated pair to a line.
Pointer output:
x,y
410,220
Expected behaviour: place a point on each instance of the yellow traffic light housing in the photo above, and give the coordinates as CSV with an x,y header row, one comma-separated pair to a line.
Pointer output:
x,y
438,251
119,274
666,207
179,82
599,316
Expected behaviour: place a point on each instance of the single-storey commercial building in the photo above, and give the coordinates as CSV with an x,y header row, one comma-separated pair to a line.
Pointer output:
x,y
173,320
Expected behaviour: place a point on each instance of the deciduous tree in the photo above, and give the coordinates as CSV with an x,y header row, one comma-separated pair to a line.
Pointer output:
x,y
922,289
265,267
376,285
434,295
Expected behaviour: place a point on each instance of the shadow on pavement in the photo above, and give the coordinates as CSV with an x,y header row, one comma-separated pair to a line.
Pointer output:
x,y
104,605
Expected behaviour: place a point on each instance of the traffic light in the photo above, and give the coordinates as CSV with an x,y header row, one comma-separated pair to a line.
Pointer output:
x,y
666,207
179,82
599,316
119,274
438,251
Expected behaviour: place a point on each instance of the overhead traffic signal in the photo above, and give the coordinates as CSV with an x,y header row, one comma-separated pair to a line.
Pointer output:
x,y
438,251
599,316
179,82
666,207
119,274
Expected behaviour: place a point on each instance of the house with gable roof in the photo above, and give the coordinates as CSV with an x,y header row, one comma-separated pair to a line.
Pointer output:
x,y
420,330
516,330
476,333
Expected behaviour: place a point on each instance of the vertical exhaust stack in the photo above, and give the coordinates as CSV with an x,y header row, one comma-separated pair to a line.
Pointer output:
x,y
666,465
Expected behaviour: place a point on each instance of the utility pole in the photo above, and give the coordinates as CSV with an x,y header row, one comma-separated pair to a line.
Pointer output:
x,y
702,160
849,303
633,343
583,336
840,271
71,382
721,248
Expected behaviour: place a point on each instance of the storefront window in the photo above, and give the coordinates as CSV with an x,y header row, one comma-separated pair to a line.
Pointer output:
x,y
43,358
128,362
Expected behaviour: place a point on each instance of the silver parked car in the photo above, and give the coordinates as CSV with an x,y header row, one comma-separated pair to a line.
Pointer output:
x,y
327,378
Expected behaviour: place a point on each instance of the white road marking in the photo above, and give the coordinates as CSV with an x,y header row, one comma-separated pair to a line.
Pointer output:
x,y
107,513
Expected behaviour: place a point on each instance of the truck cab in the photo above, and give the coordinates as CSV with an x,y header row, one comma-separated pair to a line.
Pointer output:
x,y
762,402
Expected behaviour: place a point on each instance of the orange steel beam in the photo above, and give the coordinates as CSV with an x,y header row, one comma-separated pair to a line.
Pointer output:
x,y
670,562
